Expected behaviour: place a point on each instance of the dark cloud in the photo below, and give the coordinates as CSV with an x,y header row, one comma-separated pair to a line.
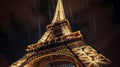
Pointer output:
x,y
3,62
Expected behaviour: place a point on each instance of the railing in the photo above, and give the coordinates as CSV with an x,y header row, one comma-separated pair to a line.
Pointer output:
x,y
56,42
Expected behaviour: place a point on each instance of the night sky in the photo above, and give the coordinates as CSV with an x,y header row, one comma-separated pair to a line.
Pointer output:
x,y
23,22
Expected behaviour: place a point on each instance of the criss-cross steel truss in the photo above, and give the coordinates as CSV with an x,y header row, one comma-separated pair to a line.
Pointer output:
x,y
59,43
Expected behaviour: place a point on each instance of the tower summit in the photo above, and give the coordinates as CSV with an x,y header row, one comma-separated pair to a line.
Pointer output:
x,y
59,12
60,47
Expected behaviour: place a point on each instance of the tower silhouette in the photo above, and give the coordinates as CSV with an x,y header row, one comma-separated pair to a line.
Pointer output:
x,y
60,47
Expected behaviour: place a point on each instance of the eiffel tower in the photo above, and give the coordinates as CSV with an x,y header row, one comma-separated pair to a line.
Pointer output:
x,y
60,47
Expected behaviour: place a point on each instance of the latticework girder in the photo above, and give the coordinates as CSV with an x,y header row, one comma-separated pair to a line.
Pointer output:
x,y
90,57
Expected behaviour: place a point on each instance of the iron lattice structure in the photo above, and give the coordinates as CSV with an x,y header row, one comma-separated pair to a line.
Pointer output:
x,y
59,43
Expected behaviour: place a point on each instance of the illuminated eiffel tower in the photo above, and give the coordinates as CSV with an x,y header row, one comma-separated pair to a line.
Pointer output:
x,y
60,47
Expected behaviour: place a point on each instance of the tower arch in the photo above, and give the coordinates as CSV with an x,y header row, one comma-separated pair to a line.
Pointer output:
x,y
54,60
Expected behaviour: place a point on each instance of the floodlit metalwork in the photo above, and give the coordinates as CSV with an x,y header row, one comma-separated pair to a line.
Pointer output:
x,y
60,44
59,13
90,57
